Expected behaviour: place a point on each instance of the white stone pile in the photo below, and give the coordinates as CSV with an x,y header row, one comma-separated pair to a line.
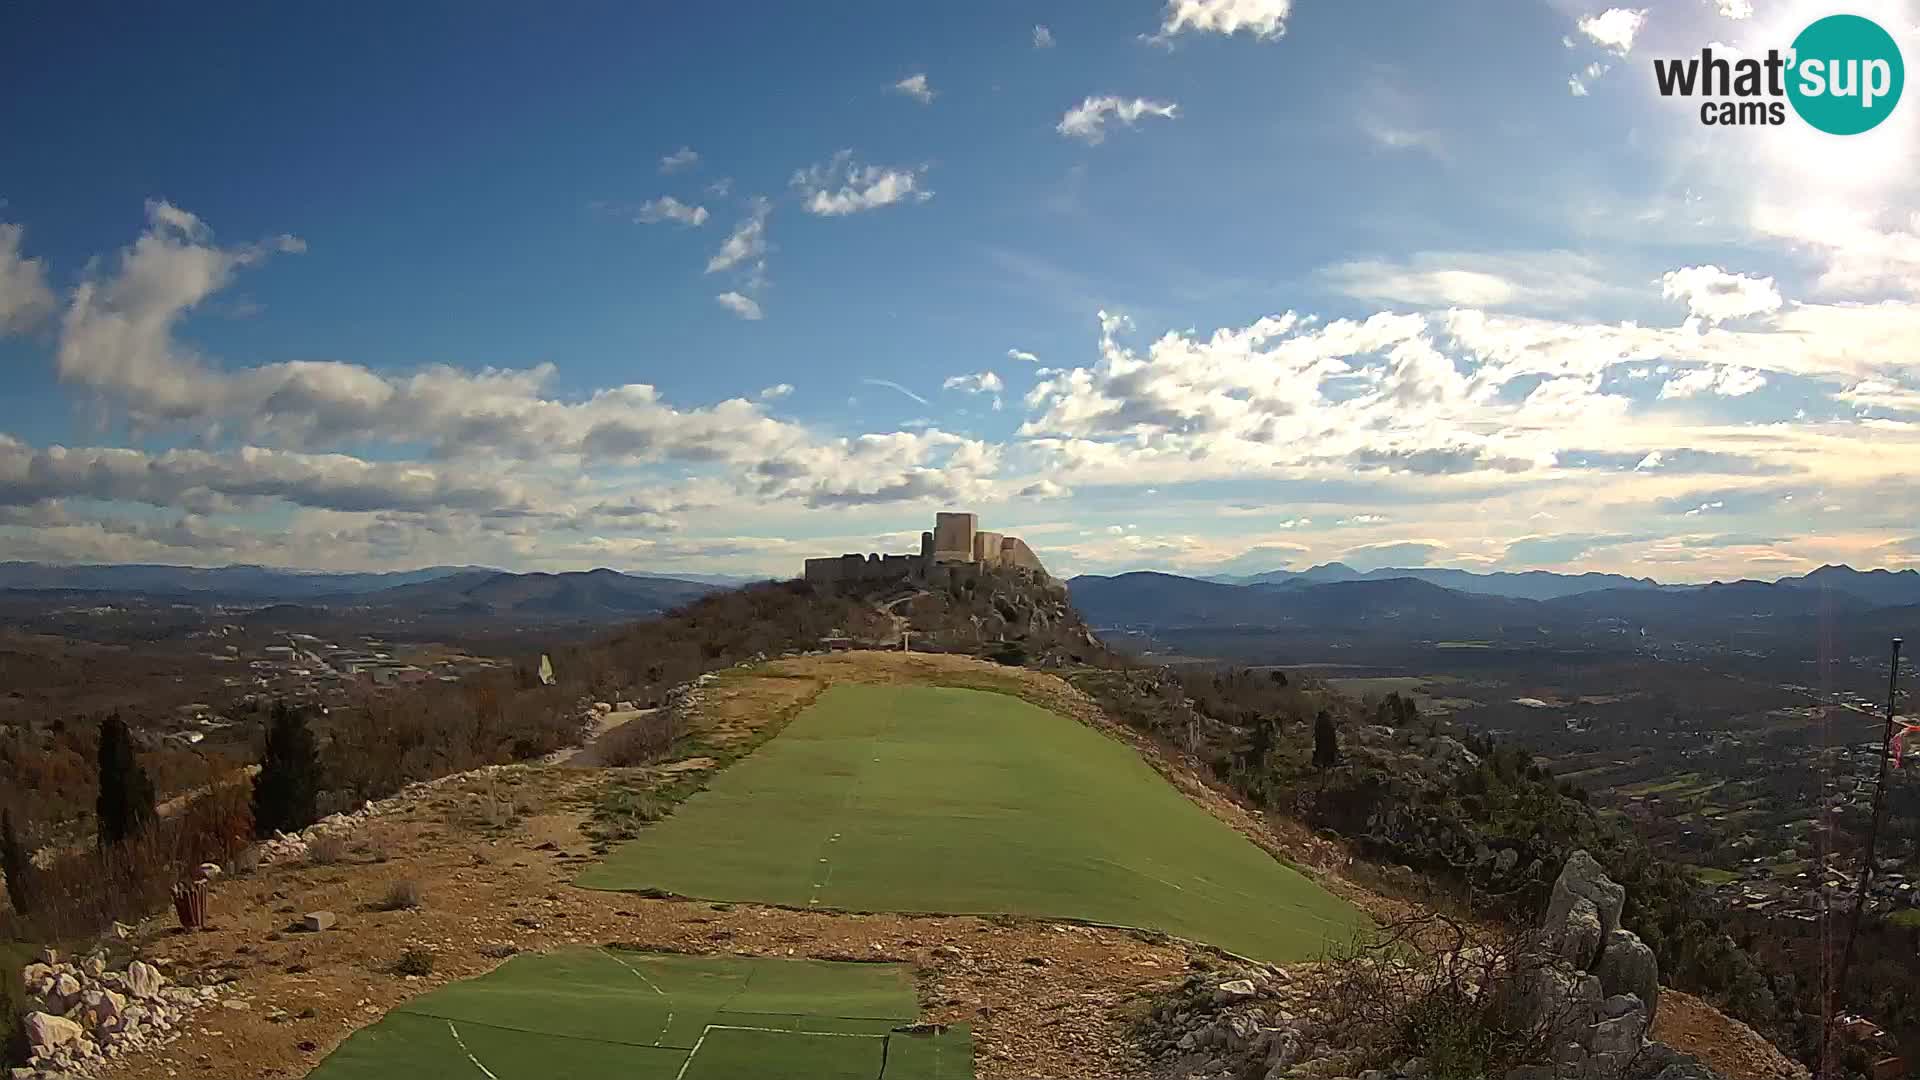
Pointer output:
x,y
83,1014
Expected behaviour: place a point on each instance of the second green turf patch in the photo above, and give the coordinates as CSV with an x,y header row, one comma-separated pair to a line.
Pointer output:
x,y
939,800
612,1014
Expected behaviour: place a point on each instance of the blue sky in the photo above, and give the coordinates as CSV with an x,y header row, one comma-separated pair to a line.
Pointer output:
x,y
1199,285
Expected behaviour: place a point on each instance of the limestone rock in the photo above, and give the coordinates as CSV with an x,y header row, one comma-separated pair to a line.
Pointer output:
x,y
66,987
144,980
1620,1035
317,921
1235,990
1577,939
1627,966
46,1031
32,975
1583,877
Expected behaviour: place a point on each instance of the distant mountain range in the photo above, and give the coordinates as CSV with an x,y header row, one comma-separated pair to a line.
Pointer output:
x,y
595,595
1412,607
432,590
1877,587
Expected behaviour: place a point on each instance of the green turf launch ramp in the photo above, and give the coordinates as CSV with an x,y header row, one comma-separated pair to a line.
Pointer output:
x,y
938,800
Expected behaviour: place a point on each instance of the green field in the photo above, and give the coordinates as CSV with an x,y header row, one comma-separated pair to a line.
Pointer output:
x,y
603,1014
939,800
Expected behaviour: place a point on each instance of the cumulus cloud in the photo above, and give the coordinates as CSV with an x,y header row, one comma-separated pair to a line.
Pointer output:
x,y
1736,9
1265,20
1087,121
1614,28
747,241
984,382
1042,37
683,158
668,208
744,306
1022,355
186,477
915,86
1728,381
1714,295
25,299
841,186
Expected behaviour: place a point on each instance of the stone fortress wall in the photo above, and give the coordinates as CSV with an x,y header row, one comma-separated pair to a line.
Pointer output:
x,y
955,548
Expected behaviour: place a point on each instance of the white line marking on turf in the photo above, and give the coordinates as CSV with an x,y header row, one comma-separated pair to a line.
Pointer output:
x,y
699,1042
638,974
484,1071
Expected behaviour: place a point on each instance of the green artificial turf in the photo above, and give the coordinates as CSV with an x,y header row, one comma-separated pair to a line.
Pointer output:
x,y
932,799
605,1014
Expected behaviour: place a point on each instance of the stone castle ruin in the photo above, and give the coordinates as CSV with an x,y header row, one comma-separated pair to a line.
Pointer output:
x,y
956,548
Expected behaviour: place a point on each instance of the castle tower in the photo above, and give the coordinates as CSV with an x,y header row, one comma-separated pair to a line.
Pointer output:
x,y
953,537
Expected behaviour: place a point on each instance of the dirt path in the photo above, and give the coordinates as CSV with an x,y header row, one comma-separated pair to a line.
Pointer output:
x,y
591,755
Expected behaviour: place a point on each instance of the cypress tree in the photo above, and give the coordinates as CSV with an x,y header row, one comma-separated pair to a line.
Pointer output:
x,y
1326,742
16,864
125,805
287,790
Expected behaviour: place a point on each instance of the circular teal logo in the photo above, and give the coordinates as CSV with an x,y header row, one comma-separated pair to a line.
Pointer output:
x,y
1847,75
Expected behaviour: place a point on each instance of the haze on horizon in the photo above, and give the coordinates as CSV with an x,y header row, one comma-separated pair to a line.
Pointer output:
x,y
1208,286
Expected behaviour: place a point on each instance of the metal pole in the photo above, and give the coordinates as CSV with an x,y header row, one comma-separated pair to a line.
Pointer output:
x,y
1866,868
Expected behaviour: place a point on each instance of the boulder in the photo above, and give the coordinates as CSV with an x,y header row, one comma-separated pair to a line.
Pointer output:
x,y
1234,990
1583,877
1577,938
66,987
46,1031
1619,1035
1503,863
144,980
1627,966
101,1009
32,975
317,921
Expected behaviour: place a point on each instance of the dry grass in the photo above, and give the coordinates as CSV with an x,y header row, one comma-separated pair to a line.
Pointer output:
x,y
326,850
403,895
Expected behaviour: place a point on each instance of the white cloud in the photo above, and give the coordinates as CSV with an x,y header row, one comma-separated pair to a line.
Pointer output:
x,y
915,86
1715,295
1736,9
747,241
25,299
1088,120
1266,20
1729,381
1042,37
668,208
1881,394
1576,87
1614,28
744,306
841,186
683,158
1536,279
1022,355
985,382
776,392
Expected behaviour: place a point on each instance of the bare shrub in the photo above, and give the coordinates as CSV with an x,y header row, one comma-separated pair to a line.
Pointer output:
x,y
79,893
326,850
402,895
1433,988
645,738
414,961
